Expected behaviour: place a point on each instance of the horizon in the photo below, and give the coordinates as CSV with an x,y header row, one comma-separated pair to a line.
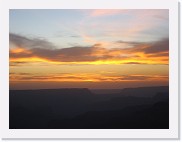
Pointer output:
x,y
88,48
87,88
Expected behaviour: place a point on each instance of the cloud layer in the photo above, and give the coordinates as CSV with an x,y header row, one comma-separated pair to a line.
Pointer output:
x,y
37,50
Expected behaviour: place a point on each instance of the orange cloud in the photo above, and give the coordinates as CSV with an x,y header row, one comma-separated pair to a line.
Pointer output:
x,y
84,77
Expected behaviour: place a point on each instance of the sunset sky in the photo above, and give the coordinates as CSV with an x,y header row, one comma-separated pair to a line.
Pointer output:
x,y
105,49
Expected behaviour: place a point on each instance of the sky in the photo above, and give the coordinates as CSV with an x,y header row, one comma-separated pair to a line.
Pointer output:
x,y
88,48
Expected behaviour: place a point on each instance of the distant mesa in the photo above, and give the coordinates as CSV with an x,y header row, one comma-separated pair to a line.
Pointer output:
x,y
61,91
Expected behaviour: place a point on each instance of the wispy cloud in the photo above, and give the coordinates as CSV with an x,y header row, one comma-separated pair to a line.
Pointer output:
x,y
106,12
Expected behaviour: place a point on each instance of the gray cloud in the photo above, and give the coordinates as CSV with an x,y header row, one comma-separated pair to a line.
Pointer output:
x,y
151,47
24,42
157,47
160,46
133,43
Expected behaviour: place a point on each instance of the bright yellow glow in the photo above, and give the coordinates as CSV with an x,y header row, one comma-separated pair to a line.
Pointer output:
x,y
144,61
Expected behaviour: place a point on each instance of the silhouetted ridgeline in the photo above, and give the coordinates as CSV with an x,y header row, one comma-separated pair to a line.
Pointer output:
x,y
80,108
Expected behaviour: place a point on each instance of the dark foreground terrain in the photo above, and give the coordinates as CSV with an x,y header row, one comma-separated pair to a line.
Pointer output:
x,y
80,108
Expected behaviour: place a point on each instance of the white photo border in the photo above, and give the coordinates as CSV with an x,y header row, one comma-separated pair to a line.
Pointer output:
x,y
171,133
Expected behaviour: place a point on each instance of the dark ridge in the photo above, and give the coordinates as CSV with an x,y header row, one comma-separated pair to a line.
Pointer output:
x,y
144,91
50,89
79,108
117,91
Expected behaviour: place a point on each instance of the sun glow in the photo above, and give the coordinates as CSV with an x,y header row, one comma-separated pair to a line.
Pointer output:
x,y
121,47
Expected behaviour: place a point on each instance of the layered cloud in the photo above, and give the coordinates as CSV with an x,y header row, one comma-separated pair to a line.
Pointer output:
x,y
85,77
37,50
